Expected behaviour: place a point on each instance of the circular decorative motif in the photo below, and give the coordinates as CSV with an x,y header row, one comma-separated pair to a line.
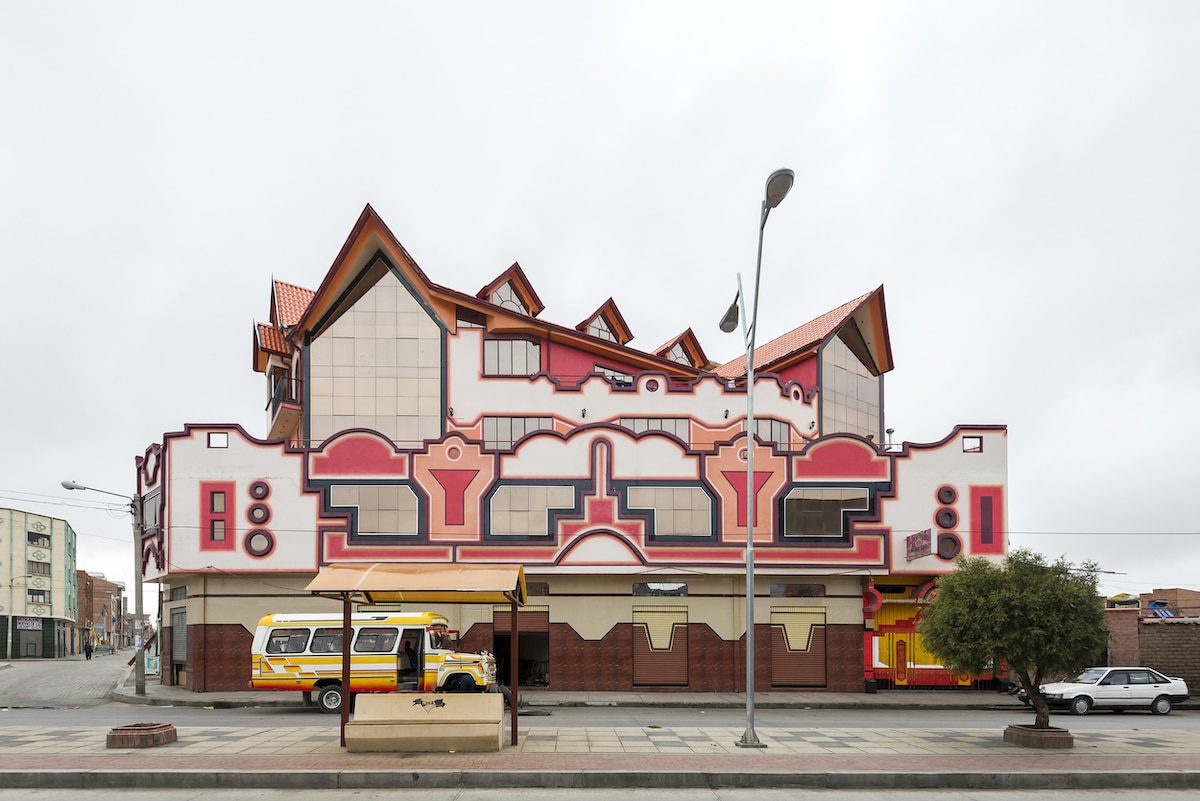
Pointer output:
x,y
741,454
947,494
258,513
260,490
946,517
949,546
259,542
454,453
795,394
652,385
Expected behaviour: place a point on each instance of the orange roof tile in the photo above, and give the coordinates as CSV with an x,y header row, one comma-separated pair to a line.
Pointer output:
x,y
271,339
290,303
798,339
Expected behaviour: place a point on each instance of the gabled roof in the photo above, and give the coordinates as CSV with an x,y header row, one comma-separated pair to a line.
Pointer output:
x,y
370,238
611,315
866,336
521,286
288,303
691,346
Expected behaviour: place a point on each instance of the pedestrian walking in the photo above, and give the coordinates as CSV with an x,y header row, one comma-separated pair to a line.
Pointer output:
x,y
87,650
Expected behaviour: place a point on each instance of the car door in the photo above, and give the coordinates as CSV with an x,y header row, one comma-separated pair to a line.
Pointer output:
x,y
1142,687
1113,689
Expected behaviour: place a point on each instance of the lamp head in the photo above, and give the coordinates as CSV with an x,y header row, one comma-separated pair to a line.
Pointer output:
x,y
778,186
71,485
730,320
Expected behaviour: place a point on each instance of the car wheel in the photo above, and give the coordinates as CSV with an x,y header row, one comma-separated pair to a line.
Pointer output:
x,y
330,698
1161,705
1080,705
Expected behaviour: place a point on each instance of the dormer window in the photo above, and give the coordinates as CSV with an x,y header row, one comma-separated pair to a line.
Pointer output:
x,y
678,355
600,329
507,298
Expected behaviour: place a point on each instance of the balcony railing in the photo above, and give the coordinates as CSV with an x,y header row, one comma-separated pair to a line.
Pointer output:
x,y
284,408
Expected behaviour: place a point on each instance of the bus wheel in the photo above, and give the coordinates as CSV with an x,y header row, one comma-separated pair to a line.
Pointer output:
x,y
330,698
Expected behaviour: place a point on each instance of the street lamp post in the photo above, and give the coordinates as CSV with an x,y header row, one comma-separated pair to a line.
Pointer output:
x,y
778,185
135,508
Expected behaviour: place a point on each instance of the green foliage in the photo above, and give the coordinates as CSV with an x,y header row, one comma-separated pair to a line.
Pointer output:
x,y
1042,620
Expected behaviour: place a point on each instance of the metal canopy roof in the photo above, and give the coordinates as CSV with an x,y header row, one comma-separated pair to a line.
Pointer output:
x,y
376,583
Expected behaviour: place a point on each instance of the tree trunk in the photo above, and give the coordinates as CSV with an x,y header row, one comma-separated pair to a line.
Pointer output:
x,y
1033,692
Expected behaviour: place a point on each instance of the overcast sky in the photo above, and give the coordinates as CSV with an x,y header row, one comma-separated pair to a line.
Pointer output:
x,y
1021,177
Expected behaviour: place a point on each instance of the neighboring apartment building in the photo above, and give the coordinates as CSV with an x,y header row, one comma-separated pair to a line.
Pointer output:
x,y
38,601
412,422
108,614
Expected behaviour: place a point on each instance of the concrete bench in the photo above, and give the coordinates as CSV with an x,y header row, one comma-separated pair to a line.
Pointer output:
x,y
426,722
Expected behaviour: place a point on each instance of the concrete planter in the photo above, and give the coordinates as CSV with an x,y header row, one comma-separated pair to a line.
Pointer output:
x,y
1029,737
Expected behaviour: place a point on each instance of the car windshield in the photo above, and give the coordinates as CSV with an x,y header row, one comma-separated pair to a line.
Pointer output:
x,y
1089,676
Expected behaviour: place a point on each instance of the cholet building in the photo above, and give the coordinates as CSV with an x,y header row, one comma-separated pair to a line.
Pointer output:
x,y
413,422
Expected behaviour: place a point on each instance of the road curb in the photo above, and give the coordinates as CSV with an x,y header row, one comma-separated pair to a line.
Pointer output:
x,y
458,779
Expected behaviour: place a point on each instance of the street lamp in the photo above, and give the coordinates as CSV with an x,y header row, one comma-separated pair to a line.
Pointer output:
x,y
135,508
778,185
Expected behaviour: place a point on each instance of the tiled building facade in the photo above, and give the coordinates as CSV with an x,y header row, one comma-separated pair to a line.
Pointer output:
x,y
38,601
412,422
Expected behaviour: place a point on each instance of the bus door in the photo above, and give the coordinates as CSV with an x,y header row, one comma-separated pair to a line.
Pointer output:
x,y
410,659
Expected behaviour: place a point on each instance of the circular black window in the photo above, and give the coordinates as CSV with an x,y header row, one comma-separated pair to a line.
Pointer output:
x,y
260,490
258,513
949,546
259,542
947,494
946,517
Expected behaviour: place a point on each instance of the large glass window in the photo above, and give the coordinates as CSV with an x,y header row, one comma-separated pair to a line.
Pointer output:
x,y
679,355
378,366
679,426
511,357
617,377
499,433
850,396
382,508
678,511
524,510
506,297
820,511
660,589
600,329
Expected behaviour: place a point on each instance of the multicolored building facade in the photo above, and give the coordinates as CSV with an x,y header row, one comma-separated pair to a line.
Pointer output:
x,y
412,422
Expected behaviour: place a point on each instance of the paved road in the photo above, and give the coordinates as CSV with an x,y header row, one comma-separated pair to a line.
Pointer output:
x,y
61,683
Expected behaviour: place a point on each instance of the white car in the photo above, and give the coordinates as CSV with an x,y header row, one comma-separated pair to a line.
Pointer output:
x,y
1118,689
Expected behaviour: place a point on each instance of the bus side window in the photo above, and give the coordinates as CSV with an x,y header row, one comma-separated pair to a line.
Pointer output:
x,y
287,641
327,641
376,640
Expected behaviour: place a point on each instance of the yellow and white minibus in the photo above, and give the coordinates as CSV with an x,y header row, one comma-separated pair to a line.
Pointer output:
x,y
390,652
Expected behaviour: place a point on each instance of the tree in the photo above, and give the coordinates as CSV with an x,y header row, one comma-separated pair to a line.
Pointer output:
x,y
1041,620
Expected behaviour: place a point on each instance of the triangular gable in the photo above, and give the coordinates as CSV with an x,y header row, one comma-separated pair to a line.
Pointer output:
x,y
521,287
861,323
353,273
608,318
686,344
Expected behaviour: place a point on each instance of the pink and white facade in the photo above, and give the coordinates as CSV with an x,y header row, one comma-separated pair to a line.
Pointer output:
x,y
410,422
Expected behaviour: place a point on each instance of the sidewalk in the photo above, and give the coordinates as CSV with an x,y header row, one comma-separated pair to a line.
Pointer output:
x,y
795,756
